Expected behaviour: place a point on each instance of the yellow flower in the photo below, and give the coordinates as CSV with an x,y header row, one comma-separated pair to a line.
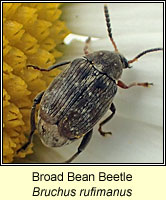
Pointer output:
x,y
32,33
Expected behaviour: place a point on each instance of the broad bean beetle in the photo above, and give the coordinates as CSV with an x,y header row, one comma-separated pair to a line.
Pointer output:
x,y
79,97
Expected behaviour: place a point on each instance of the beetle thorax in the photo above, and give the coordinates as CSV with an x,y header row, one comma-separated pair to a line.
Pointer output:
x,y
107,62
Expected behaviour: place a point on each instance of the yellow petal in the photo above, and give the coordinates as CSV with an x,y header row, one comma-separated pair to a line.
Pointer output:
x,y
27,39
6,98
13,31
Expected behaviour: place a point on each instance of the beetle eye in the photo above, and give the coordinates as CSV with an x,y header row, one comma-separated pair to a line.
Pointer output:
x,y
124,62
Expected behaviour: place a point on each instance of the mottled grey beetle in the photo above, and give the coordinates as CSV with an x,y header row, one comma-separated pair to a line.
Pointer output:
x,y
77,99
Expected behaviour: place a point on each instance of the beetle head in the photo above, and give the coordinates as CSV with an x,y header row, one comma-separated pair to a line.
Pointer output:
x,y
109,63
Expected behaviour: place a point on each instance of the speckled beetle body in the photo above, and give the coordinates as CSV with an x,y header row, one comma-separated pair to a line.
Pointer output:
x,y
77,99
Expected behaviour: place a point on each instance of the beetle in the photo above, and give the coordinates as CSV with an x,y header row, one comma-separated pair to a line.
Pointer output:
x,y
80,96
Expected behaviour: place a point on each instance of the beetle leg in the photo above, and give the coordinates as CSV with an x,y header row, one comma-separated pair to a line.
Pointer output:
x,y
51,67
113,109
36,101
82,146
124,86
87,42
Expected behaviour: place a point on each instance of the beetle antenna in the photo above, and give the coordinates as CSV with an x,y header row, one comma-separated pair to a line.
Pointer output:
x,y
109,26
143,53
